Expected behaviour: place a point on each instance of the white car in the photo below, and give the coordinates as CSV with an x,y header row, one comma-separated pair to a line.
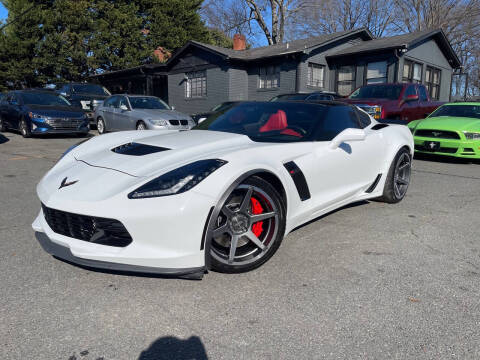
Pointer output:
x,y
221,196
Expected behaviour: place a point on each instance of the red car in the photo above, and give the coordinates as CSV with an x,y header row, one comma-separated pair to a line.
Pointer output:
x,y
398,102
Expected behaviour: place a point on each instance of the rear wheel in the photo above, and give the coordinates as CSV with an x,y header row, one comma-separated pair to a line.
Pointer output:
x,y
141,126
24,129
249,228
101,126
398,177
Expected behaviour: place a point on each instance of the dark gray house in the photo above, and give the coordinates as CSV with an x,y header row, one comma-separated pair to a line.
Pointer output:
x,y
199,76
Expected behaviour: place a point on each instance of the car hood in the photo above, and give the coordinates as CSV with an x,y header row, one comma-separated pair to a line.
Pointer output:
x,y
370,102
55,111
449,123
161,114
174,149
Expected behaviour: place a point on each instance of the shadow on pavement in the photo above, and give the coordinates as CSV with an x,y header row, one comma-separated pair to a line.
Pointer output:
x,y
3,139
172,348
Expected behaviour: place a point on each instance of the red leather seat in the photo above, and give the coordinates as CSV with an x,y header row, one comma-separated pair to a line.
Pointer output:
x,y
278,121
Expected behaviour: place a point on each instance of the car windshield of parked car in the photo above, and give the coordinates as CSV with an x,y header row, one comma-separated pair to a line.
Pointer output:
x,y
283,121
389,92
90,89
150,103
222,106
290,97
32,98
467,111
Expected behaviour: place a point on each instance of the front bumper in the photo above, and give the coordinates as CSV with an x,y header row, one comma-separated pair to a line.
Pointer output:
x,y
64,253
468,149
40,127
166,232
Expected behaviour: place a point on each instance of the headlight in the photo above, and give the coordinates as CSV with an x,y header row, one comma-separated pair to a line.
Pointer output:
x,y
472,135
157,122
179,180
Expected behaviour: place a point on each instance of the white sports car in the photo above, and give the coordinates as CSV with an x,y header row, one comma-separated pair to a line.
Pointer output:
x,y
221,196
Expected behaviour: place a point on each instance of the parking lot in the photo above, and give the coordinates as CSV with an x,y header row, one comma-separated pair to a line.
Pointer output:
x,y
371,281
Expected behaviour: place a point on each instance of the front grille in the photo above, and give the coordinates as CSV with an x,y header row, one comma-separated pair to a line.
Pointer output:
x,y
440,150
174,122
87,228
439,134
184,122
64,123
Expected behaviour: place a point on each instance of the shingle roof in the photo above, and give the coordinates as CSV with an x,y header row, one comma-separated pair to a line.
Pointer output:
x,y
401,41
282,49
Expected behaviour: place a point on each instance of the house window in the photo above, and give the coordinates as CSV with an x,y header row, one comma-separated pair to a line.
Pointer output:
x,y
316,75
196,84
269,77
432,82
377,72
345,80
412,72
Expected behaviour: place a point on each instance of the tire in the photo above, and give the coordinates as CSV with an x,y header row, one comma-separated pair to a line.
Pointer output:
x,y
256,241
141,126
24,129
3,127
101,127
398,178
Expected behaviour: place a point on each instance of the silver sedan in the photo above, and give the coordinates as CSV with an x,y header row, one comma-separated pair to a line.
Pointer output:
x,y
130,112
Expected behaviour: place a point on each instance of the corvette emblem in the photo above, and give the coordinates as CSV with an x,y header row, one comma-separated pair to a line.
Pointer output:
x,y
64,183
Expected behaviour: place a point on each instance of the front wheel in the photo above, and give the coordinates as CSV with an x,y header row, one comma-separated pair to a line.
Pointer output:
x,y
101,126
249,228
24,129
141,126
398,178
3,127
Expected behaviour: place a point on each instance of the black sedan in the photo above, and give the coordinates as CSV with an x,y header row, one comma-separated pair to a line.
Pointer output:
x,y
40,112
198,118
317,95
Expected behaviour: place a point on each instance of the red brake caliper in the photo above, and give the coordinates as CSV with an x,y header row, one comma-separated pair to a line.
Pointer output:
x,y
257,228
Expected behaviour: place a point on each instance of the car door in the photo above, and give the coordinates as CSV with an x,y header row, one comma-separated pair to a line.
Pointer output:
x,y
425,105
349,169
410,107
122,115
108,112
13,111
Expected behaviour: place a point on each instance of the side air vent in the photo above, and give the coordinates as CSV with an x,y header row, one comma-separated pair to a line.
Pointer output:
x,y
379,126
374,184
298,179
137,149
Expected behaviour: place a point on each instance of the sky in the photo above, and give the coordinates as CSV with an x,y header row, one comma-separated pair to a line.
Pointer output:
x,y
3,12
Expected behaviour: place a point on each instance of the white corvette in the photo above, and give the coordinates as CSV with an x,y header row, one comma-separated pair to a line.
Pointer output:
x,y
221,196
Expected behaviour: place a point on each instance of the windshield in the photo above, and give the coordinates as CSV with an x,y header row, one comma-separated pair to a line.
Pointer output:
x,y
47,99
147,102
389,92
282,121
290,97
90,89
467,111
222,106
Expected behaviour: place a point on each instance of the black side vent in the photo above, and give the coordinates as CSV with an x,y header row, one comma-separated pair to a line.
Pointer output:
x,y
374,184
137,149
298,179
379,126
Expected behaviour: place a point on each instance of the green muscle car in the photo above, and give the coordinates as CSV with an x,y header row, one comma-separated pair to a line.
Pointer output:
x,y
453,130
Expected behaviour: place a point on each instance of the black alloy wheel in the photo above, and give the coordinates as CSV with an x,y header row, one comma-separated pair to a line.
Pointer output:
x,y
249,228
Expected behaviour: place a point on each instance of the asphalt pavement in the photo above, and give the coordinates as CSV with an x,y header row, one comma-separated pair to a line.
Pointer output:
x,y
370,281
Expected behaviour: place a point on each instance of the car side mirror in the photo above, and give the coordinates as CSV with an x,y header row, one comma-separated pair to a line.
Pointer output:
x,y
411,98
349,134
124,107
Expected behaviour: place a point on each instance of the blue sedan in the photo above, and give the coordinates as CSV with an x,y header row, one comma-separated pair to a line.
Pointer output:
x,y
41,112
